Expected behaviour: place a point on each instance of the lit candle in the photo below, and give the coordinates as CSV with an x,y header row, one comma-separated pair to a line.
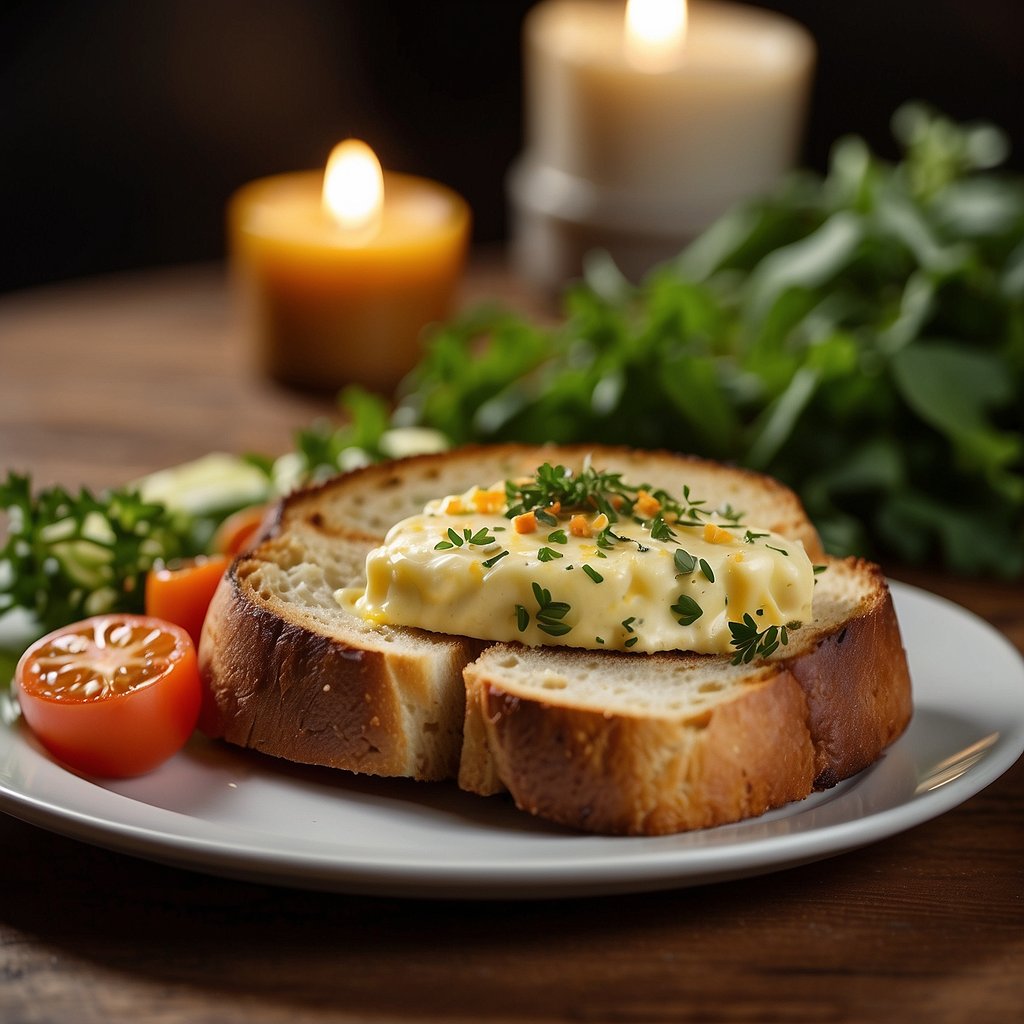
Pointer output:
x,y
341,271
646,122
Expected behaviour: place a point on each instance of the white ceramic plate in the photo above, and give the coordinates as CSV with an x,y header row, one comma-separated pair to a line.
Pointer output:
x,y
232,813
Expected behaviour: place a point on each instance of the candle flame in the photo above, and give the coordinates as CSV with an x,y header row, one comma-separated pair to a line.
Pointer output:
x,y
655,33
354,188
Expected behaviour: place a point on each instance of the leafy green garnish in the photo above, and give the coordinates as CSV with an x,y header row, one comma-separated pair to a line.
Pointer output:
x,y
594,490
481,538
750,642
686,610
522,618
550,613
685,562
68,556
860,336
324,448
548,555
593,574
660,530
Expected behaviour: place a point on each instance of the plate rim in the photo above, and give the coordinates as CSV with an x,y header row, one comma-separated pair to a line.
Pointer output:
x,y
325,866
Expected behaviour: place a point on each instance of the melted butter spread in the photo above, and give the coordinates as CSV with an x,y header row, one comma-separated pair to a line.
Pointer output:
x,y
465,567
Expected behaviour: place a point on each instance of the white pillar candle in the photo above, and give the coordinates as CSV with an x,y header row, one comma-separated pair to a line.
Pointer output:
x,y
639,134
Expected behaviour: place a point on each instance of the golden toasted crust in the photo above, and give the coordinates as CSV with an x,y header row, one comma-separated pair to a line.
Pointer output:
x,y
857,685
290,673
284,689
822,709
650,776
369,500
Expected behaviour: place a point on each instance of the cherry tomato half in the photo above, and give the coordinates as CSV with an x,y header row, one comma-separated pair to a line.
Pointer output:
x,y
114,695
182,595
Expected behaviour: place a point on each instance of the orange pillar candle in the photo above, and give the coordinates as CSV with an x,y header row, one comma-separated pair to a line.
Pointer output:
x,y
340,272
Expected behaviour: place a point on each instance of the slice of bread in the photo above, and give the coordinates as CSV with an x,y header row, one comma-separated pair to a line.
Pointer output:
x,y
649,744
291,673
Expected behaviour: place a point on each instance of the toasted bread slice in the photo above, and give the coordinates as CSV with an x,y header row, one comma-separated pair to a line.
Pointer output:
x,y
648,744
291,673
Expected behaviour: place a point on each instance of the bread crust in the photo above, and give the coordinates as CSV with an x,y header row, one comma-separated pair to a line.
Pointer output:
x,y
857,686
374,480
285,690
634,776
314,690
802,722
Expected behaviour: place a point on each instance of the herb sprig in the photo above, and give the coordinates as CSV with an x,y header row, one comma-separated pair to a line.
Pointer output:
x,y
750,642
550,614
481,538
597,491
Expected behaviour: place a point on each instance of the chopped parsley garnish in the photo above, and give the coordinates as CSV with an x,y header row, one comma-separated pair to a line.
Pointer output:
x,y
522,618
550,613
819,569
632,641
627,624
548,555
780,550
750,642
685,562
660,530
750,536
558,537
592,490
593,574
686,610
481,538
495,560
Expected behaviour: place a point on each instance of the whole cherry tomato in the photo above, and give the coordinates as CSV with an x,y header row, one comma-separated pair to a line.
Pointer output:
x,y
182,595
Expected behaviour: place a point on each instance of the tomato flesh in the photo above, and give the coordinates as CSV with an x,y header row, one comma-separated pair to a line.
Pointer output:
x,y
111,696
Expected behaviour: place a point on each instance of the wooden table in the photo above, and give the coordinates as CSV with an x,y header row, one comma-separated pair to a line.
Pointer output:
x,y
101,381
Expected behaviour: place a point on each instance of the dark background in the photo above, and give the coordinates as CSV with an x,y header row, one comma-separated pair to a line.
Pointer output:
x,y
125,125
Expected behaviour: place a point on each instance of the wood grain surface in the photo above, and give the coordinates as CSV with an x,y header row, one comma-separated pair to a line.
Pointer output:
x,y
101,381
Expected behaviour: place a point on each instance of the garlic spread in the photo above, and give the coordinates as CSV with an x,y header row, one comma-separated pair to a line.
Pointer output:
x,y
629,570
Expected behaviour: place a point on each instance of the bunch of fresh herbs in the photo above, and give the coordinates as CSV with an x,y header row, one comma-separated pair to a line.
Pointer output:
x,y
859,335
